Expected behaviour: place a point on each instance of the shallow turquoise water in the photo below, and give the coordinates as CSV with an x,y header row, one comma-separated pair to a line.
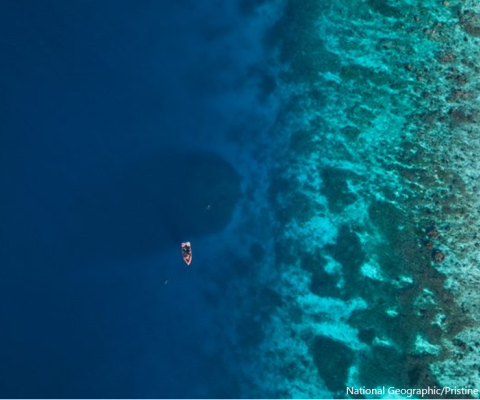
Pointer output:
x,y
373,199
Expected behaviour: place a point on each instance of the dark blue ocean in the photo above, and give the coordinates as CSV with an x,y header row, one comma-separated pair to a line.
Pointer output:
x,y
109,113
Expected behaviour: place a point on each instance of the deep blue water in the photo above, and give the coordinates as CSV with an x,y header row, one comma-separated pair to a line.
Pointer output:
x,y
104,108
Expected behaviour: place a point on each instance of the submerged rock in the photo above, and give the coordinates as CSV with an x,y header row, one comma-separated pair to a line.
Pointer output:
x,y
428,244
470,23
432,232
333,360
336,189
438,256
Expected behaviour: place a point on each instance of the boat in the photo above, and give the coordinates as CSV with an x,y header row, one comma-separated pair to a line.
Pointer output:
x,y
187,252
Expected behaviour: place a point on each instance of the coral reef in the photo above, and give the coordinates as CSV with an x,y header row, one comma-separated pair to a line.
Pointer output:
x,y
375,197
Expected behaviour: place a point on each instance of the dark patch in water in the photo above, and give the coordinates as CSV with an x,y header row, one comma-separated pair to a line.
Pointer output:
x,y
332,359
383,364
335,188
382,7
414,375
302,141
350,132
348,250
367,335
300,207
321,282
154,204
324,285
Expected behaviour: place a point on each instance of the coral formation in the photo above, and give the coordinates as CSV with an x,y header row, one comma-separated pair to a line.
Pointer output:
x,y
375,197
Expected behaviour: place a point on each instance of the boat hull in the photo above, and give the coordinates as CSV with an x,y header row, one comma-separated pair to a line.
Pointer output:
x,y
187,252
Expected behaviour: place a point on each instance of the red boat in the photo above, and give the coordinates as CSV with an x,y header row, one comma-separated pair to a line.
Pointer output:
x,y
187,252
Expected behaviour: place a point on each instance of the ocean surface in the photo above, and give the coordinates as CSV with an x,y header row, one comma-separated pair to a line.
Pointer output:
x,y
321,157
